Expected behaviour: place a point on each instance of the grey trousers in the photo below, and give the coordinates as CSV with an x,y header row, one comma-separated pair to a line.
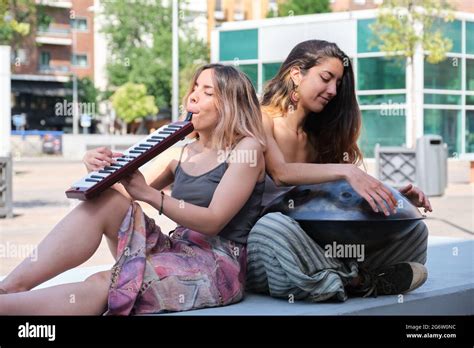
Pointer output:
x,y
283,261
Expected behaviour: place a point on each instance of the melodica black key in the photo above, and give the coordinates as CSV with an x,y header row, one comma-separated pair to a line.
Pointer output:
x,y
140,153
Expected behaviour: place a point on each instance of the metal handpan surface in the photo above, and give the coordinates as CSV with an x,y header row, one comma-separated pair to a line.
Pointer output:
x,y
334,212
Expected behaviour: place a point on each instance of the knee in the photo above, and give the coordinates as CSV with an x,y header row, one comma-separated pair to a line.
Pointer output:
x,y
113,197
108,198
274,227
265,226
110,205
102,278
422,234
422,231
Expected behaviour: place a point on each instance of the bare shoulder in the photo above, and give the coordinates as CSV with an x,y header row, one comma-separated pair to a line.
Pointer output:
x,y
249,143
267,121
249,151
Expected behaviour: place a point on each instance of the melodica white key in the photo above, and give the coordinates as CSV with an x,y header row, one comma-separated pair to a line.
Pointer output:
x,y
133,158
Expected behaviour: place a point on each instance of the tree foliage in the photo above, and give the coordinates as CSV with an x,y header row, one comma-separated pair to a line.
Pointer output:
x,y
401,25
20,18
139,34
300,7
131,101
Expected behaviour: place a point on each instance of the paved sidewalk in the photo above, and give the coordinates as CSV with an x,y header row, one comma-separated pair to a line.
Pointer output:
x,y
40,202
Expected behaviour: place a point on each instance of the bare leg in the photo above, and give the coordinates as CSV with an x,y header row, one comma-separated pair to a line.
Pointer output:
x,y
72,241
84,298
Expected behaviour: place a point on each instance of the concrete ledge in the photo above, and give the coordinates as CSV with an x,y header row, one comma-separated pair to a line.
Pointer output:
x,y
449,290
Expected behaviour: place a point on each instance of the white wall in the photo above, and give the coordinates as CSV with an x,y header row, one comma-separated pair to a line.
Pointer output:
x,y
285,37
5,101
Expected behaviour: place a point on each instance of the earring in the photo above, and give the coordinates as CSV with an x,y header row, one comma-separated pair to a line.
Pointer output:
x,y
295,97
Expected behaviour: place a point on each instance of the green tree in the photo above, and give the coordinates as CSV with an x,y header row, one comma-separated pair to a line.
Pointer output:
x,y
86,90
15,19
20,18
300,7
131,102
139,37
407,28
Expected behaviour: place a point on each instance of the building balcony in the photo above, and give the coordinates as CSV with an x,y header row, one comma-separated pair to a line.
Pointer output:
x,y
55,3
54,69
53,31
46,39
54,35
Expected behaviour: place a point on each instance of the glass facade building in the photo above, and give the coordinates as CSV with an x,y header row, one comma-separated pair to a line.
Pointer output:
x,y
259,47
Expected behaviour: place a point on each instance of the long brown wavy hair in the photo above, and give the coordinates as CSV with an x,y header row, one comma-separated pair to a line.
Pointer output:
x,y
335,130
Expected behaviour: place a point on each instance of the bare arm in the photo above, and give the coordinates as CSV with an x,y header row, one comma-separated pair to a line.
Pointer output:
x,y
230,196
284,173
163,180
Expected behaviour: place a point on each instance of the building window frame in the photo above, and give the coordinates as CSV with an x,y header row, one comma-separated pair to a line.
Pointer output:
x,y
75,20
74,61
41,61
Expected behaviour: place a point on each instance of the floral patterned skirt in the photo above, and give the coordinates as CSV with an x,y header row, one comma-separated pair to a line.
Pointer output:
x,y
157,273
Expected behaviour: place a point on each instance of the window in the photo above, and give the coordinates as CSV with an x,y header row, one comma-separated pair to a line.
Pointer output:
x,y
79,24
19,56
238,44
270,71
365,36
45,57
79,60
470,99
469,36
470,74
444,75
450,30
378,99
381,73
443,99
382,128
470,131
251,70
445,123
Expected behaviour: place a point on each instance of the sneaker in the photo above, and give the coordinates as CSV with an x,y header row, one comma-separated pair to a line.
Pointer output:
x,y
392,280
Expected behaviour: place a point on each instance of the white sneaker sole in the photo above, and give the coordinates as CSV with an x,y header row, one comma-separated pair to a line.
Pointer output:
x,y
420,274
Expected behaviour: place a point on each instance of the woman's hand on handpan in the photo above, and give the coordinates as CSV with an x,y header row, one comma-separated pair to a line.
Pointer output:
x,y
371,189
96,159
416,197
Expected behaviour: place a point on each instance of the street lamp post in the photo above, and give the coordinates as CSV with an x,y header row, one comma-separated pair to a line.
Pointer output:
x,y
175,65
75,114
75,111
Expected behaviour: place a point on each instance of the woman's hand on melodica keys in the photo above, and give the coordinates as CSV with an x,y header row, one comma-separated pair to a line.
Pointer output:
x,y
97,159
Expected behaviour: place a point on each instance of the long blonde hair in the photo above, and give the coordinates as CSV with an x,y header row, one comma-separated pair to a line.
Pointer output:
x,y
336,128
237,106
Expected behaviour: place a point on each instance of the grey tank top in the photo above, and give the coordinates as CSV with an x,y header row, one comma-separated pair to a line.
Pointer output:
x,y
199,189
272,191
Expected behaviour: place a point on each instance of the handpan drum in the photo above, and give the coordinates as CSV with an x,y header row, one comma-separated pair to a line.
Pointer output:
x,y
334,212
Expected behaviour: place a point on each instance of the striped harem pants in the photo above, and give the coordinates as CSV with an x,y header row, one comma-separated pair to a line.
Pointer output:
x,y
283,261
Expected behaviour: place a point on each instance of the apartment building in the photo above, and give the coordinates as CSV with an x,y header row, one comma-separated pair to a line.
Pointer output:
x,y
42,68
